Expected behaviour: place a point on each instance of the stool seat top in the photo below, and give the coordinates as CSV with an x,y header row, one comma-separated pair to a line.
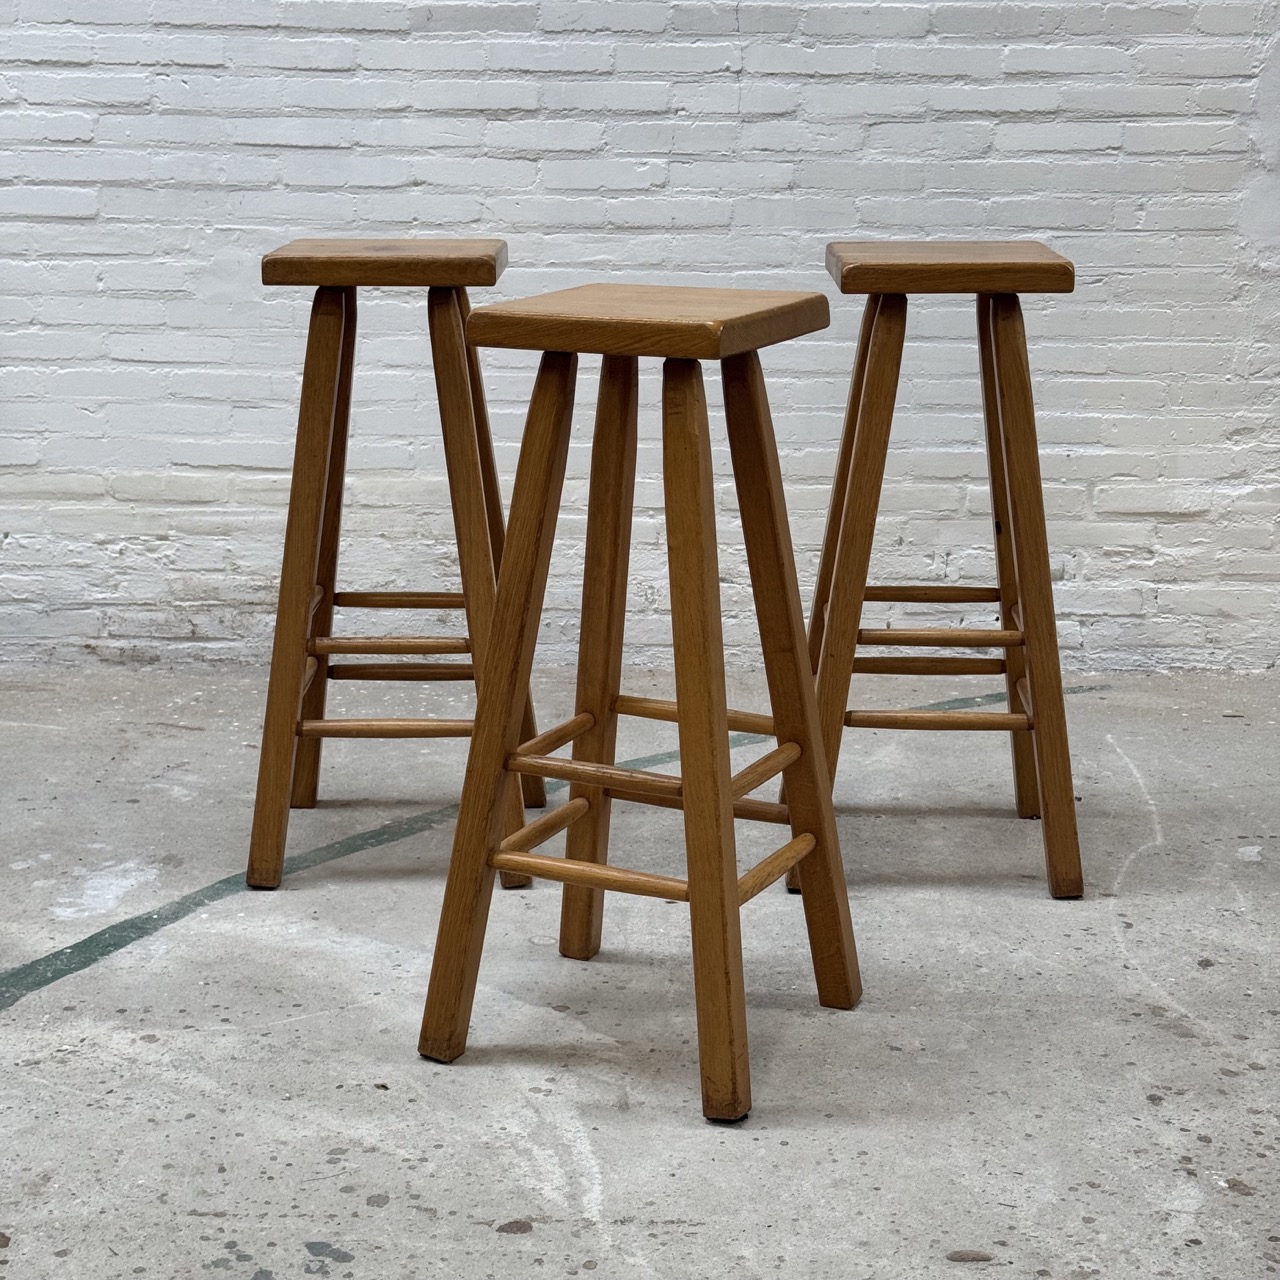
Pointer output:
x,y
948,266
420,262
649,320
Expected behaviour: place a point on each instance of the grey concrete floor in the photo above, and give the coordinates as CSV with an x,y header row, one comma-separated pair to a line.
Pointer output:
x,y
202,1080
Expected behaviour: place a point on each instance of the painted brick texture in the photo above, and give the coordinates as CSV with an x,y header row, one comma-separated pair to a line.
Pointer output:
x,y
152,150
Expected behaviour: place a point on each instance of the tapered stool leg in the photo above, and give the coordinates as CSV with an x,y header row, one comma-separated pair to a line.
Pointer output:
x,y
1039,624
533,789
858,524
320,381
704,744
306,761
771,561
501,697
477,561
604,609
835,515
1022,744
840,486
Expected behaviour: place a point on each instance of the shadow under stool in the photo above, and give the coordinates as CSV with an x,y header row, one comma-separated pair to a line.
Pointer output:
x,y
682,326
1035,719
303,653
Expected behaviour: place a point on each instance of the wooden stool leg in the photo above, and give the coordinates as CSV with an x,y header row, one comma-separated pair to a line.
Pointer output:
x,y
840,486
791,688
604,610
1039,623
858,524
1026,789
501,698
534,789
306,760
835,515
321,376
477,560
704,744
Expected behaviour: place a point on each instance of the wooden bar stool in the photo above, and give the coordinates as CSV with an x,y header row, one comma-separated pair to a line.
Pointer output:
x,y
684,326
302,656
1027,636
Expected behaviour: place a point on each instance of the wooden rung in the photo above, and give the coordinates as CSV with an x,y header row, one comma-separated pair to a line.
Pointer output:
x,y
555,738
929,666
401,671
391,644
760,771
928,594
385,728
633,782
662,709
762,811
594,875
936,720
943,637
540,830
774,867
752,810
400,599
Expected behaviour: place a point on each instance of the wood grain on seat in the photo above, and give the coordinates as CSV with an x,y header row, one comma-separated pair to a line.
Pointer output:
x,y
649,320
343,263
948,266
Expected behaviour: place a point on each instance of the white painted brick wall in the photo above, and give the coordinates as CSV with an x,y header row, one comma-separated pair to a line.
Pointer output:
x,y
152,150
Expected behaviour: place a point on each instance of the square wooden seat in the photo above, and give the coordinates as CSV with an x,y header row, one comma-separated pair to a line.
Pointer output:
x,y
948,266
650,320
422,263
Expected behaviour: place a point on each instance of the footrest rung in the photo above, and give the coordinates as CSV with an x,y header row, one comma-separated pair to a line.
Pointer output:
x,y
982,720
629,782
774,867
924,593
390,644
760,771
929,666
400,599
664,709
385,728
943,637
558,736
594,875
401,671
540,830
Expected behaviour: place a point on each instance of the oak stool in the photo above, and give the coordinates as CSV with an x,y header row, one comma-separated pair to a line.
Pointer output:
x,y
302,655
684,326
997,272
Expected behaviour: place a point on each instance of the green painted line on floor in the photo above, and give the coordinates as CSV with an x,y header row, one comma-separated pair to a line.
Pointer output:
x,y
37,974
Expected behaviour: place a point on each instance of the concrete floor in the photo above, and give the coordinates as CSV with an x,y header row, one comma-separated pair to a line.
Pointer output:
x,y
202,1080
